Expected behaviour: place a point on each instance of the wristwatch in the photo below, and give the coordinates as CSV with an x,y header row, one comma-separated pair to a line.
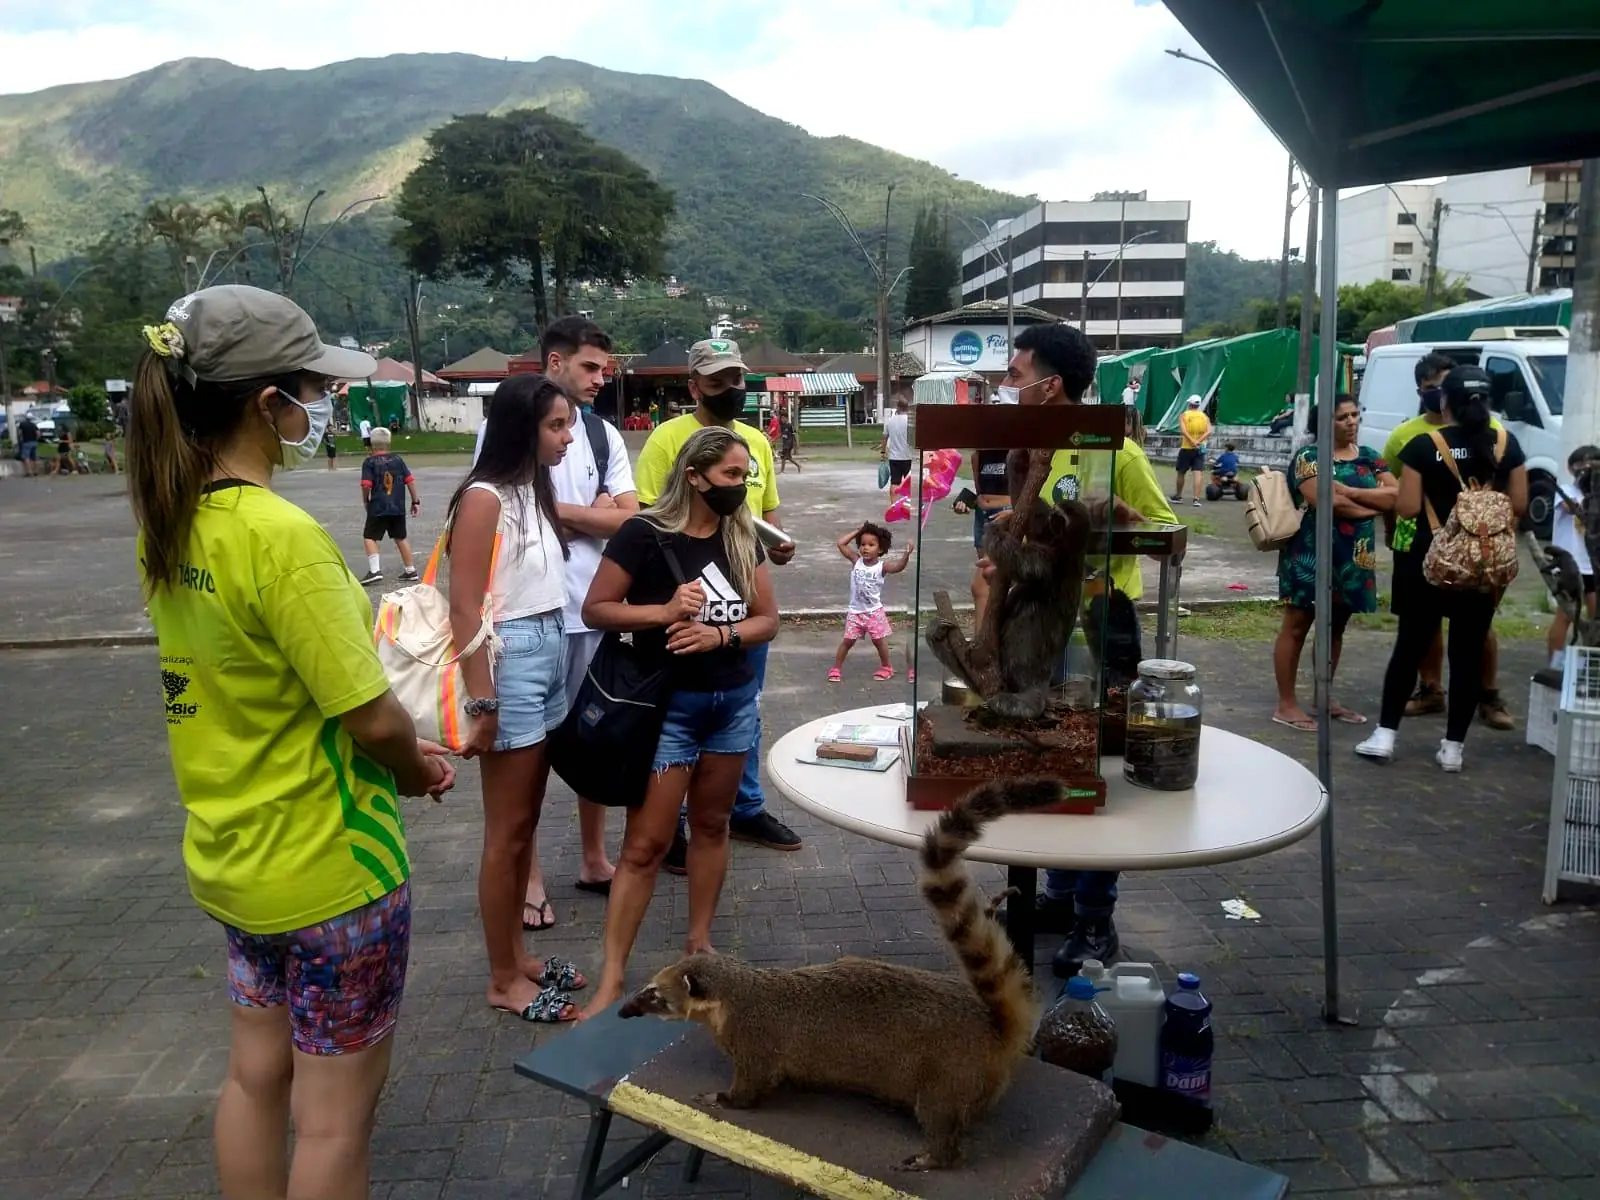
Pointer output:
x,y
734,640
474,707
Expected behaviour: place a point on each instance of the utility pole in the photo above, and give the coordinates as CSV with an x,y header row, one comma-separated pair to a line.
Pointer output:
x,y
1579,424
1433,255
1533,250
1308,304
1283,262
1083,295
883,319
1122,245
1011,292
413,304
5,379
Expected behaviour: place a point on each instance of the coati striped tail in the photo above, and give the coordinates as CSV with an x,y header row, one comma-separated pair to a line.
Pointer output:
x,y
986,956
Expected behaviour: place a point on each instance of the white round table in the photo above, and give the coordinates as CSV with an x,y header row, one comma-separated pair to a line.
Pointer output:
x,y
1249,800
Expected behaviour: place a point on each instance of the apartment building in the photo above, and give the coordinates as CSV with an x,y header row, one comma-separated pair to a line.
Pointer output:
x,y
1502,232
1113,265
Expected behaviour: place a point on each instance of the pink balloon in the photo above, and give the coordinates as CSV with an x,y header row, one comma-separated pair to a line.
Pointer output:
x,y
939,470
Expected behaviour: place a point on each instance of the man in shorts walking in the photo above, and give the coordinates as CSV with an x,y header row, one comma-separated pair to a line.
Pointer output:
x,y
897,442
1196,429
382,476
28,445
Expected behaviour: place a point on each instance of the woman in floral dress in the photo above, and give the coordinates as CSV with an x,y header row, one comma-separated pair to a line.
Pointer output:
x,y
1363,487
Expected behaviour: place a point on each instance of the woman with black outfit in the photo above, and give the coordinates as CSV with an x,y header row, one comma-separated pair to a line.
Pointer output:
x,y
1482,458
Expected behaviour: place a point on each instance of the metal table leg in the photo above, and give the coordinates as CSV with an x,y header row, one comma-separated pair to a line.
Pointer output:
x,y
691,1166
1163,607
591,1182
1019,912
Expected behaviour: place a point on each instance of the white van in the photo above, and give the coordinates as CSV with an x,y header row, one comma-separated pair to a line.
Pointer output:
x,y
1528,379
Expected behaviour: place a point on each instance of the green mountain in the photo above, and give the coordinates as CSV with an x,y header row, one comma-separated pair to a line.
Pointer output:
x,y
77,157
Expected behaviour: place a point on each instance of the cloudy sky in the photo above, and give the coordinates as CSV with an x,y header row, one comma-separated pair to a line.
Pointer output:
x,y
1060,98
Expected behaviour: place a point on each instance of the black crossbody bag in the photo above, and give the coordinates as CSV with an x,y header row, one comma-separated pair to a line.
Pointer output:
x,y
605,748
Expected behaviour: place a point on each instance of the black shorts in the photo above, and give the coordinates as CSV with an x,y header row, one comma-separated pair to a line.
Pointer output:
x,y
377,527
1191,460
367,442
1588,585
899,468
332,450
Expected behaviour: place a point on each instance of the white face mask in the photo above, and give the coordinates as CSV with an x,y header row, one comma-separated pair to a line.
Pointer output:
x,y
318,413
1006,394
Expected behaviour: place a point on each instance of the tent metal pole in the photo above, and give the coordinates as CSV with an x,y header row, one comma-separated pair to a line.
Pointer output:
x,y
1327,388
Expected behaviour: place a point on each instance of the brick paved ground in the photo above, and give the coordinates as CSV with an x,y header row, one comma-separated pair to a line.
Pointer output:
x,y
1472,1072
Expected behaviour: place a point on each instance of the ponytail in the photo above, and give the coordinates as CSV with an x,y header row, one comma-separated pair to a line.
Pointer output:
x,y
175,430
1470,411
166,470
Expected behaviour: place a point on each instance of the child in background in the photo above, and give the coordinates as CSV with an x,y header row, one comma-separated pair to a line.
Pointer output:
x,y
866,549
1226,470
381,476
1567,533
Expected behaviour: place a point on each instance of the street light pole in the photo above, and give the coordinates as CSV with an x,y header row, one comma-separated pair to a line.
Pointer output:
x,y
1308,302
1283,261
1083,295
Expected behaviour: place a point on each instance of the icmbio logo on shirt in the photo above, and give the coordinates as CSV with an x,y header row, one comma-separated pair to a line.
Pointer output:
x,y
174,684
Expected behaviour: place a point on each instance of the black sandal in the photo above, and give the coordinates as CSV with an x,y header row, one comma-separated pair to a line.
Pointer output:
x,y
546,914
546,1007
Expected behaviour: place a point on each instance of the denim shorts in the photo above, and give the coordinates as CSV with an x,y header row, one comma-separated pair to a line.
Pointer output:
x,y
980,522
530,677
708,723
342,979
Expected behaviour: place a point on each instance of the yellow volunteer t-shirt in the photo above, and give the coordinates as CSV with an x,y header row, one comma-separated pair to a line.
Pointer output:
x,y
1196,428
265,639
661,451
1135,485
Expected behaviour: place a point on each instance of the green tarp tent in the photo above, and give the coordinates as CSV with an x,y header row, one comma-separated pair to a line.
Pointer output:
x,y
380,403
1251,378
1457,323
1111,373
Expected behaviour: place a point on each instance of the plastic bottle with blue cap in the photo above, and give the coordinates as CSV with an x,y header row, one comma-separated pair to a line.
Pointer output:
x,y
1077,1034
1187,1043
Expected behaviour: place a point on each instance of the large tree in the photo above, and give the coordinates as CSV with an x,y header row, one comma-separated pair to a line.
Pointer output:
x,y
526,196
935,270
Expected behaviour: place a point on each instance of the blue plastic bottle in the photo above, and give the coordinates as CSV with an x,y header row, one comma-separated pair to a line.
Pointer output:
x,y
1187,1043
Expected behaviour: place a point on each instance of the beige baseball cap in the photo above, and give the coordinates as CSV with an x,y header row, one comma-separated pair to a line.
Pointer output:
x,y
713,355
232,332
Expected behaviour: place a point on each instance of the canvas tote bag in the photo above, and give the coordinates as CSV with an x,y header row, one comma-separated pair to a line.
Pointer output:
x,y
418,651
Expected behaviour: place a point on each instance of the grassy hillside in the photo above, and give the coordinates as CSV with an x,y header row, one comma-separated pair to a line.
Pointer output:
x,y
76,156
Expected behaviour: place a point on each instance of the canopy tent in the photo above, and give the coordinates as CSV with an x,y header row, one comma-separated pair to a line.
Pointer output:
x,y
485,364
671,357
829,385
1251,377
765,358
1457,323
1368,92
1111,374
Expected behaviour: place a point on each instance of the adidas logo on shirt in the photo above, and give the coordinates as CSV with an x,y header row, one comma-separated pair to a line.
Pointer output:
x,y
724,605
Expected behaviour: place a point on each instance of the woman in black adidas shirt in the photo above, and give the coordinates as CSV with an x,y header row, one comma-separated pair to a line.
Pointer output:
x,y
698,608
1429,489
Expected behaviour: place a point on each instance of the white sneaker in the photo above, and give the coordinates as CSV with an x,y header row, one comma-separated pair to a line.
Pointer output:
x,y
1449,756
1379,747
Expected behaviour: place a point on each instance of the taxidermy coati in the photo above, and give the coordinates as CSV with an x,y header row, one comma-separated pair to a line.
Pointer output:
x,y
1038,555
943,1046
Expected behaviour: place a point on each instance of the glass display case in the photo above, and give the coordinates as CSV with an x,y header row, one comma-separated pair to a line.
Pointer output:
x,y
1023,690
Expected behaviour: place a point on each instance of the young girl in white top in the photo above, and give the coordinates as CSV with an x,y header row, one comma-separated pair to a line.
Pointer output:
x,y
867,549
505,543
1567,534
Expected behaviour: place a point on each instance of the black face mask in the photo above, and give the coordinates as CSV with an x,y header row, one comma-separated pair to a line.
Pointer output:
x,y
1432,398
725,406
724,499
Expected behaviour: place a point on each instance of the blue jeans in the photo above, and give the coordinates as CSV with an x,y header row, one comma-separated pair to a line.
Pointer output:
x,y
751,802
1094,893
706,723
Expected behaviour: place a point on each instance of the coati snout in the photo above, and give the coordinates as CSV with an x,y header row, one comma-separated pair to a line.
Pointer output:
x,y
680,992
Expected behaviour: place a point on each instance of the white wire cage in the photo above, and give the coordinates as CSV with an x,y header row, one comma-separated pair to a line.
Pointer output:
x,y
1572,852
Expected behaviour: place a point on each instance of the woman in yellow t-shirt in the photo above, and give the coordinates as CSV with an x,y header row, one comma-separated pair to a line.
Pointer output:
x,y
290,751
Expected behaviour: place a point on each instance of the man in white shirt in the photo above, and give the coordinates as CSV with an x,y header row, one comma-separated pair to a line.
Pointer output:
x,y
594,496
897,442
366,433
1130,394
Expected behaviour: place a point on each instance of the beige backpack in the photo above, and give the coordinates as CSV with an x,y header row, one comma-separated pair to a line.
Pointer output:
x,y
1475,549
1269,512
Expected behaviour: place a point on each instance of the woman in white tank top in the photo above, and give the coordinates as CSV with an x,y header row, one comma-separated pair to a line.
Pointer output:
x,y
506,544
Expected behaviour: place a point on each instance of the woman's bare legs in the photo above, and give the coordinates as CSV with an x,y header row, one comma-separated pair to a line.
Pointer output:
x,y
711,796
513,793
252,1125
645,841
335,1103
1286,663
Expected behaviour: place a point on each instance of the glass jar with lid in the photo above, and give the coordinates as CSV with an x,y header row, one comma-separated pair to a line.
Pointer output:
x,y
1162,750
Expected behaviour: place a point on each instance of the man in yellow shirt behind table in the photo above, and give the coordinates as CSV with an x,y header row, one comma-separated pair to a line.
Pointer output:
x,y
1054,364
716,382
